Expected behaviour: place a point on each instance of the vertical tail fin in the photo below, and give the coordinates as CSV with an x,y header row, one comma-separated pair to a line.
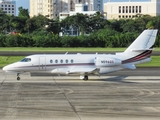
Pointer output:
x,y
143,42
141,49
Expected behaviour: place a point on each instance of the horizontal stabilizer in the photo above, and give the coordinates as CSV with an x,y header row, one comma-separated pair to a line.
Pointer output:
x,y
129,66
139,50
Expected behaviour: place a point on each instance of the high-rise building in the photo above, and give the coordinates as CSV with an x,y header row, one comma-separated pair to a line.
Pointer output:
x,y
43,7
118,10
98,5
8,6
69,5
52,8
60,6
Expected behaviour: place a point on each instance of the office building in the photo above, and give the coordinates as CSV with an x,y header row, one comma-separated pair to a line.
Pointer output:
x,y
8,6
118,10
43,7
74,30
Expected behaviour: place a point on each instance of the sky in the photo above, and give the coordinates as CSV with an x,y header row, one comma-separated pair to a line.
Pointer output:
x,y
23,3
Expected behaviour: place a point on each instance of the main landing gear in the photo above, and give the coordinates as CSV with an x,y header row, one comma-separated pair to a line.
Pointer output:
x,y
18,78
84,77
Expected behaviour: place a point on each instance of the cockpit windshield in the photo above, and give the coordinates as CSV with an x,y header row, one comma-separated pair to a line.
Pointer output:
x,y
26,60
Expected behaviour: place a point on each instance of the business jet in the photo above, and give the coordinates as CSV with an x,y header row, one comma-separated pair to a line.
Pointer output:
x,y
88,64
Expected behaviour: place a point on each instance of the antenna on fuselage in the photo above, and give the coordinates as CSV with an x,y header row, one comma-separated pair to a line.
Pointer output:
x,y
66,53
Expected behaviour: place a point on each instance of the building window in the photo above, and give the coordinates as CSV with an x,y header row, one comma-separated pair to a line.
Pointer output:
x,y
132,9
136,9
119,16
123,9
126,9
8,5
85,8
5,5
140,9
5,8
12,8
119,9
12,5
129,9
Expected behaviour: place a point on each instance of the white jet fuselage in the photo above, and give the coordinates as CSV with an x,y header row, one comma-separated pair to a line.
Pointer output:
x,y
68,63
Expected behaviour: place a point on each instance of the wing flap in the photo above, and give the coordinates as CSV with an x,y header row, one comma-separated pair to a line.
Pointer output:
x,y
76,70
139,50
83,70
129,66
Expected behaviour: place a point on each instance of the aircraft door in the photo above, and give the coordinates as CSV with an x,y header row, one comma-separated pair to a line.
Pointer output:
x,y
42,63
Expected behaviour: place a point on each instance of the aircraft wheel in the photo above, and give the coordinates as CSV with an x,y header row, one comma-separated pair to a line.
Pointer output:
x,y
85,78
18,78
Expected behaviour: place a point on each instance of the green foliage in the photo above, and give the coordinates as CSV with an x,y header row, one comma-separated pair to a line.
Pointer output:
x,y
2,40
23,13
39,31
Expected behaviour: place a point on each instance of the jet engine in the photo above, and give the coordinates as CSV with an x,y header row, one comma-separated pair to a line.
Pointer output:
x,y
106,62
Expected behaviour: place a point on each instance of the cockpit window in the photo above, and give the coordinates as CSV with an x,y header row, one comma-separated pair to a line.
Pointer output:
x,y
26,60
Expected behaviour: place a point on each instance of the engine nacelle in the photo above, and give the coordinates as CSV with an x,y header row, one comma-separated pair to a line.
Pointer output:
x,y
107,62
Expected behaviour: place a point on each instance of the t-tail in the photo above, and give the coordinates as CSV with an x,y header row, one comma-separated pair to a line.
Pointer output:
x,y
140,50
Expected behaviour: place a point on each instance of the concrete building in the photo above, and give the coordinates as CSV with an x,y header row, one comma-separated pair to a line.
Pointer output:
x,y
8,6
118,10
44,7
98,5
52,8
79,8
73,30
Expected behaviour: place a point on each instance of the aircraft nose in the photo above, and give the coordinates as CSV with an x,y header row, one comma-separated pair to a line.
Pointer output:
x,y
4,68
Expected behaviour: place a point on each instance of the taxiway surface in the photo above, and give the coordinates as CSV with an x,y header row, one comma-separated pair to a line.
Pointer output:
x,y
68,98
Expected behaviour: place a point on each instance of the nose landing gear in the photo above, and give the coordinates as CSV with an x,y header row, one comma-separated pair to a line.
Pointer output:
x,y
18,78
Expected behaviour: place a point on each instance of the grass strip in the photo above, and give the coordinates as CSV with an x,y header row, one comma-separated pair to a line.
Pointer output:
x,y
56,49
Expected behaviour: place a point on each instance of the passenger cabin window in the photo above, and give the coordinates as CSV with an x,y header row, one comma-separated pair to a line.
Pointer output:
x,y
26,60
56,61
72,61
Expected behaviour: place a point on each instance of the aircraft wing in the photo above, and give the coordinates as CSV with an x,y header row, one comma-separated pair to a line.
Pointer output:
x,y
129,66
77,70
84,70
